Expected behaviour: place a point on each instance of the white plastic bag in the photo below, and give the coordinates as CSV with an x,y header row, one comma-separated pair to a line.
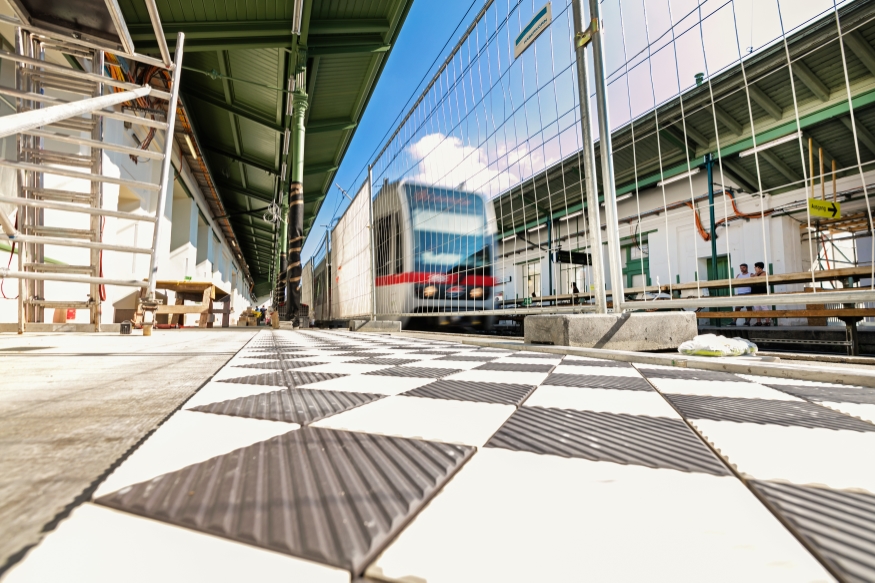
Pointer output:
x,y
713,345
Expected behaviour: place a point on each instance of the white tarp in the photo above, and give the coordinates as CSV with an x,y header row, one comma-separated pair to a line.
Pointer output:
x,y
351,260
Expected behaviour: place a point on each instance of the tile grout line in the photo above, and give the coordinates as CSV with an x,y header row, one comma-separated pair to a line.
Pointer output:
x,y
763,500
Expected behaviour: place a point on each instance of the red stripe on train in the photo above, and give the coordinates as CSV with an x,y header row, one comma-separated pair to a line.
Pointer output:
x,y
436,278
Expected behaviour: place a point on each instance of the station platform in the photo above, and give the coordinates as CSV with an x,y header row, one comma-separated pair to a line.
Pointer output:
x,y
332,456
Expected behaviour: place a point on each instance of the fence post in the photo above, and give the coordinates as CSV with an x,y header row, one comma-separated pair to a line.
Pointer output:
x,y
592,196
609,188
372,250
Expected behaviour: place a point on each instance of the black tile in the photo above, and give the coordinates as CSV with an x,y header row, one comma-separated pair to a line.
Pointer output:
x,y
514,366
844,394
302,406
596,362
838,525
690,374
766,412
654,442
280,364
468,357
588,381
506,394
333,497
386,360
287,378
414,371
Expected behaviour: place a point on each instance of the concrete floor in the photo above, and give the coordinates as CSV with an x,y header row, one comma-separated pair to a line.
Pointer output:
x,y
72,405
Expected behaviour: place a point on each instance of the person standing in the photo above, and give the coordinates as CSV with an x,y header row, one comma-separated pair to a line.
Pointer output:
x,y
743,291
760,288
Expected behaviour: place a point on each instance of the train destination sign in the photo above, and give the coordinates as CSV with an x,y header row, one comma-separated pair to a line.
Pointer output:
x,y
824,208
535,27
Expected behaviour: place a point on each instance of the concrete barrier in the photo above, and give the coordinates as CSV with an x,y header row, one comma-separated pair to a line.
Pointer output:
x,y
633,331
374,326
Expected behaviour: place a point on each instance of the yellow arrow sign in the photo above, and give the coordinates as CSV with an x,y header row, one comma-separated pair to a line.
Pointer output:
x,y
824,208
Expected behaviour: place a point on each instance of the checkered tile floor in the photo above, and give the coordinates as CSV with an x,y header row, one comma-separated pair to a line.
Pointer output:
x,y
327,456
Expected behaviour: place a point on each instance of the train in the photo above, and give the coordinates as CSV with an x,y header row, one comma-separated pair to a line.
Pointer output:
x,y
434,252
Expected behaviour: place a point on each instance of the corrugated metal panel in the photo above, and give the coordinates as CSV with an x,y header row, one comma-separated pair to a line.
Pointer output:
x,y
766,412
302,406
598,382
839,525
506,394
654,442
334,497
861,395
414,372
286,378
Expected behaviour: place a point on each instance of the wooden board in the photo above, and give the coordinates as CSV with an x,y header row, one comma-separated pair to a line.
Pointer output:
x,y
837,313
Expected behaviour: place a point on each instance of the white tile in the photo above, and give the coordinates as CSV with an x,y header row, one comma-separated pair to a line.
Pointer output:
x,y
521,517
344,368
187,438
215,392
523,360
456,364
448,421
101,545
836,459
499,376
862,411
377,385
740,390
597,370
602,400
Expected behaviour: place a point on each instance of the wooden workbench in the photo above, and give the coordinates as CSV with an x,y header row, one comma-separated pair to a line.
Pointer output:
x,y
205,292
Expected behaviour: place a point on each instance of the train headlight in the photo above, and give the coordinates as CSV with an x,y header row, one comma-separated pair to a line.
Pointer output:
x,y
429,291
476,293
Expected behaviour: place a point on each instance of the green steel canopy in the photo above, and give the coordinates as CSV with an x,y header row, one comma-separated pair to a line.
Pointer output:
x,y
241,59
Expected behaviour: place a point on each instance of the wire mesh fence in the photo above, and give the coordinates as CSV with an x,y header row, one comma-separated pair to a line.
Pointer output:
x,y
742,165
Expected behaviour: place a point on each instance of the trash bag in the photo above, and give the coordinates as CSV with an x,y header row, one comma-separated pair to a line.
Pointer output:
x,y
713,345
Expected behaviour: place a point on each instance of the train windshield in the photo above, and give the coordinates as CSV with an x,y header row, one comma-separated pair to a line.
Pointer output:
x,y
450,233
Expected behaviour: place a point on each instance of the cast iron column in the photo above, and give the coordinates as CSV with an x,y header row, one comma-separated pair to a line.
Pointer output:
x,y
296,210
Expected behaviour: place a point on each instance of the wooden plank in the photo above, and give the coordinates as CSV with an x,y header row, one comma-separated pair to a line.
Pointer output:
x,y
784,278
837,313
207,304
181,309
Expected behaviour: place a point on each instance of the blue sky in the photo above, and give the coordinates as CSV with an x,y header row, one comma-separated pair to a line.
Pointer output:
x,y
427,28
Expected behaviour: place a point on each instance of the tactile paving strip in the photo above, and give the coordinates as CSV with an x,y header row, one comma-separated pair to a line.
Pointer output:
x,y
596,362
597,382
689,374
414,371
443,352
654,442
861,395
288,378
766,412
280,364
513,366
334,497
840,525
505,394
467,357
536,355
379,360
302,406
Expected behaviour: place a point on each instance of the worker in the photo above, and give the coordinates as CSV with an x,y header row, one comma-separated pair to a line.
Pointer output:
x,y
760,288
743,291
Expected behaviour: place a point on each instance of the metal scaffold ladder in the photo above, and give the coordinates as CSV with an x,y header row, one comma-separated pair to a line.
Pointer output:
x,y
61,141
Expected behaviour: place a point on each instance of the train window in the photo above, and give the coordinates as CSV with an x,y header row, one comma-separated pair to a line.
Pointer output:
x,y
399,259
384,227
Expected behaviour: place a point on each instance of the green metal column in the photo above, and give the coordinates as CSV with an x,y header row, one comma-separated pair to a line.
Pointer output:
x,y
295,230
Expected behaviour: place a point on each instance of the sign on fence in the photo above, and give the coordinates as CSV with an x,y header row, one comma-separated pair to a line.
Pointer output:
x,y
535,27
824,208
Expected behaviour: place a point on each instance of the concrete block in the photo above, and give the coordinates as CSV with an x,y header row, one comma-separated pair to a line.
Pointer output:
x,y
632,331
374,326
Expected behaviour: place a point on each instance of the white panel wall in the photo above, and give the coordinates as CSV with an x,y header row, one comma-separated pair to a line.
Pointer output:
x,y
351,260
